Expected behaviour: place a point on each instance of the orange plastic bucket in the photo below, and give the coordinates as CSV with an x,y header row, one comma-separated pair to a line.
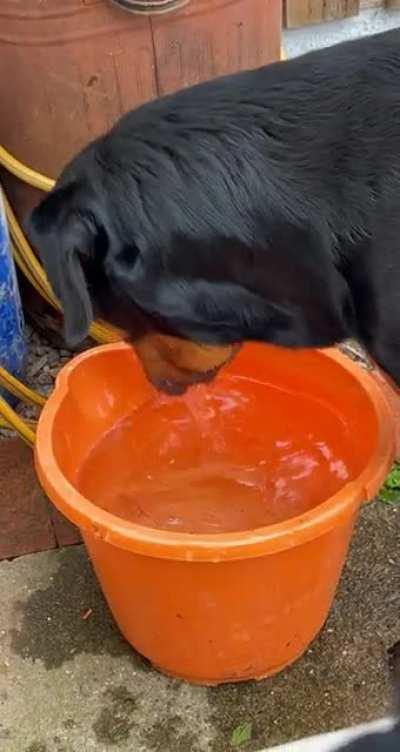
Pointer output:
x,y
212,608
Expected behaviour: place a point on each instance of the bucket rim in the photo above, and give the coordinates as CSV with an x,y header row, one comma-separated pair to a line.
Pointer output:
x,y
214,548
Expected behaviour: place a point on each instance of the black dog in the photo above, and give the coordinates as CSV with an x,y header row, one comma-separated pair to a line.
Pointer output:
x,y
261,206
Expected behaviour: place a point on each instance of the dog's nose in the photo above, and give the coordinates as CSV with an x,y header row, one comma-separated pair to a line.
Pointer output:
x,y
172,388
177,388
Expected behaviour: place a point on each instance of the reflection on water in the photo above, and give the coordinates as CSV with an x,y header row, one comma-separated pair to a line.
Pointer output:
x,y
230,456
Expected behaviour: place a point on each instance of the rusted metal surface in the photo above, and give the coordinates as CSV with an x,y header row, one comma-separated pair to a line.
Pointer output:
x,y
70,68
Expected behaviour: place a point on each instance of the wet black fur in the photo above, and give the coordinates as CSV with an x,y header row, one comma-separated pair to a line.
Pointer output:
x,y
260,206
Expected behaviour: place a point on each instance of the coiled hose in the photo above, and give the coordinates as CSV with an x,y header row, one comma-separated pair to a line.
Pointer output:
x,y
29,265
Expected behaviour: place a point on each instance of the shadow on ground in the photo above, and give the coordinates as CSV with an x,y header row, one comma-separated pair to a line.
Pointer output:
x,y
73,605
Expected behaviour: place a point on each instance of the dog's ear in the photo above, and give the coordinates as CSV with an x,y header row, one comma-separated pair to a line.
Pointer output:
x,y
63,235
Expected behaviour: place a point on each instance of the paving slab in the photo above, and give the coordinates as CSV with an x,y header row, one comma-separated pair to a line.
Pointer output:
x,y
28,522
69,682
25,523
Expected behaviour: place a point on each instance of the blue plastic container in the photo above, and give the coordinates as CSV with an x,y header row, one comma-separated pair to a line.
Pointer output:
x,y
12,327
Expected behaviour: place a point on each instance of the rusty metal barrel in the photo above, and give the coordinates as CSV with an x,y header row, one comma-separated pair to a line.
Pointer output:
x,y
70,68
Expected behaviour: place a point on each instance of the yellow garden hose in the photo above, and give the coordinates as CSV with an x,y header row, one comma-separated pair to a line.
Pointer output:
x,y
10,419
20,390
29,265
27,422
24,173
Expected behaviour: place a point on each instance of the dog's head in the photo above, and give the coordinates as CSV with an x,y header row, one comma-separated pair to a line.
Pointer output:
x,y
177,232
89,282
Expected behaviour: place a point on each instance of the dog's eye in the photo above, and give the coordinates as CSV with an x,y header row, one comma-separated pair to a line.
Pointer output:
x,y
128,255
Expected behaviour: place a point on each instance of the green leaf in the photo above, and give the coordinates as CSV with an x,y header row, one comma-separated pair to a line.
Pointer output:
x,y
390,492
390,495
393,479
241,734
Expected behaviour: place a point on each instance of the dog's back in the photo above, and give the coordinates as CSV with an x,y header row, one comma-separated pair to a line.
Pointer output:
x,y
343,101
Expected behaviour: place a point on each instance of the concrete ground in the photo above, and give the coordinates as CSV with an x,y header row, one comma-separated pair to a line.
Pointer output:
x,y
71,684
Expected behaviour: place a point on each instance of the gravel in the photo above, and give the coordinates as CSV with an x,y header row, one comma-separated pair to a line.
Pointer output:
x,y
43,362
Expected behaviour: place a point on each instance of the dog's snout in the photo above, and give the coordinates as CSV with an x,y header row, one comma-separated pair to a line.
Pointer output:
x,y
173,364
172,388
177,388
